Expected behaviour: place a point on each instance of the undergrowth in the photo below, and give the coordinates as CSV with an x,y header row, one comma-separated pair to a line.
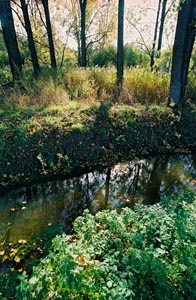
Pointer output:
x,y
85,85
148,253
90,85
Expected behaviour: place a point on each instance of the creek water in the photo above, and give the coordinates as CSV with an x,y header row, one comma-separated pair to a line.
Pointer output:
x,y
27,211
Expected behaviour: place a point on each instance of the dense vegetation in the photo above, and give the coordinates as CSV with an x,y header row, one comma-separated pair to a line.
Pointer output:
x,y
65,122
68,122
67,118
148,253
73,123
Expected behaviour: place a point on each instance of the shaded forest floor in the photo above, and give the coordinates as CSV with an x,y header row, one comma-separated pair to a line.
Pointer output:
x,y
59,140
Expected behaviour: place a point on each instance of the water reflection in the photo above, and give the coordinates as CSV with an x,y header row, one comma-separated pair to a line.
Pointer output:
x,y
27,211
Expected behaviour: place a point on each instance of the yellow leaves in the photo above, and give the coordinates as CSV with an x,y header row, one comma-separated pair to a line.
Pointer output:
x,y
82,259
13,252
22,241
17,259
4,258
20,270
12,209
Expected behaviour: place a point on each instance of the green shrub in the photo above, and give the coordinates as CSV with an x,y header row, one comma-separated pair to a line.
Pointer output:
x,y
104,57
107,57
164,61
5,75
148,253
134,57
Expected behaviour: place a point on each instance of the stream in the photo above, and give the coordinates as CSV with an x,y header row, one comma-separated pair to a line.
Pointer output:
x,y
28,210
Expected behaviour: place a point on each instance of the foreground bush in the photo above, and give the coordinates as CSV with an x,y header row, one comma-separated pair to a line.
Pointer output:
x,y
148,253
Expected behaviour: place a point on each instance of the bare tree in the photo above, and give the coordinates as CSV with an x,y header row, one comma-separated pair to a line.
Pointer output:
x,y
161,27
49,33
152,56
9,34
31,42
164,12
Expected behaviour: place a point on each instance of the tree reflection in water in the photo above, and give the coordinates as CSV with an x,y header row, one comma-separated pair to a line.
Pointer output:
x,y
28,210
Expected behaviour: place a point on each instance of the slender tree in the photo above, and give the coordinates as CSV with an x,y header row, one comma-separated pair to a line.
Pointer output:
x,y
9,34
120,44
49,33
31,43
183,45
83,4
152,57
92,27
163,15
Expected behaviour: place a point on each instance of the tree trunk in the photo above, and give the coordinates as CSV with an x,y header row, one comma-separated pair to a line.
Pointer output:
x,y
83,4
49,33
183,45
9,34
161,26
120,45
152,61
30,37
79,49
107,185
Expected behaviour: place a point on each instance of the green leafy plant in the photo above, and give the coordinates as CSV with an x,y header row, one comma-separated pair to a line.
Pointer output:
x,y
104,57
148,253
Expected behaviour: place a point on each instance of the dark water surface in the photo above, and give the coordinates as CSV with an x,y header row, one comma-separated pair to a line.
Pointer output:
x,y
29,210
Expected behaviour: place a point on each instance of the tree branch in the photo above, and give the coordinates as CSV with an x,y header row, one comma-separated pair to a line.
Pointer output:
x,y
95,14
140,34
19,17
40,14
98,33
96,41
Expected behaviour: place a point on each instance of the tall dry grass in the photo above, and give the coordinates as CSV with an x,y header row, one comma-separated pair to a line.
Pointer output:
x,y
146,87
90,86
